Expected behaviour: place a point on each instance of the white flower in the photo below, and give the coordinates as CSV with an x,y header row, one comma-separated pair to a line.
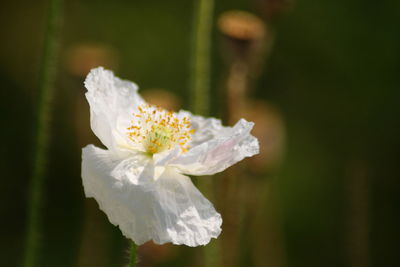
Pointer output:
x,y
139,180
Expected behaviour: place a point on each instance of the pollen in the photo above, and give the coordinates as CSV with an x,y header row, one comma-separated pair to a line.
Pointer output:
x,y
158,130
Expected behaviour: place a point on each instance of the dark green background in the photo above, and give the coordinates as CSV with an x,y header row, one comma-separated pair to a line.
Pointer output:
x,y
333,72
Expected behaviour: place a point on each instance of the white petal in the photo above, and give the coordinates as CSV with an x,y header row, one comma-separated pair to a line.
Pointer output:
x,y
215,147
166,209
111,101
183,215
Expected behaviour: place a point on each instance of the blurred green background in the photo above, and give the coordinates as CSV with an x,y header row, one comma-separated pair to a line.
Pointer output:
x,y
326,190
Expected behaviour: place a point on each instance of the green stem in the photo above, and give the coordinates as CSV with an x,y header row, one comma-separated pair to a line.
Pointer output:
x,y
132,261
200,72
200,97
45,93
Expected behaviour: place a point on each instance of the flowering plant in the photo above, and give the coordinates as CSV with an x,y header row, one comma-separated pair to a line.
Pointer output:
x,y
140,181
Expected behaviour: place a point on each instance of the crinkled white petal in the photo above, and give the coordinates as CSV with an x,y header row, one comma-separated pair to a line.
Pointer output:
x,y
215,147
112,102
148,203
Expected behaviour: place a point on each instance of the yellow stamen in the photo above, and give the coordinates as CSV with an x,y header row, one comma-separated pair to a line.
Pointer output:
x,y
158,130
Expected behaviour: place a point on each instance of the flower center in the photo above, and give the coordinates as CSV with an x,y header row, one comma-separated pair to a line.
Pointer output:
x,y
157,130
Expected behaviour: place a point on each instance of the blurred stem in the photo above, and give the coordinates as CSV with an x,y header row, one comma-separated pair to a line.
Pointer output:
x,y
132,261
358,217
45,93
200,72
200,94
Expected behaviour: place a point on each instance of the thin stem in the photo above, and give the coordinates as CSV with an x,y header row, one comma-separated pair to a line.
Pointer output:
x,y
200,72
41,136
132,261
200,97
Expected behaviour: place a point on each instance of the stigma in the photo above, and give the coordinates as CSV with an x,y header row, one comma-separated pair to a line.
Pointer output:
x,y
156,130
